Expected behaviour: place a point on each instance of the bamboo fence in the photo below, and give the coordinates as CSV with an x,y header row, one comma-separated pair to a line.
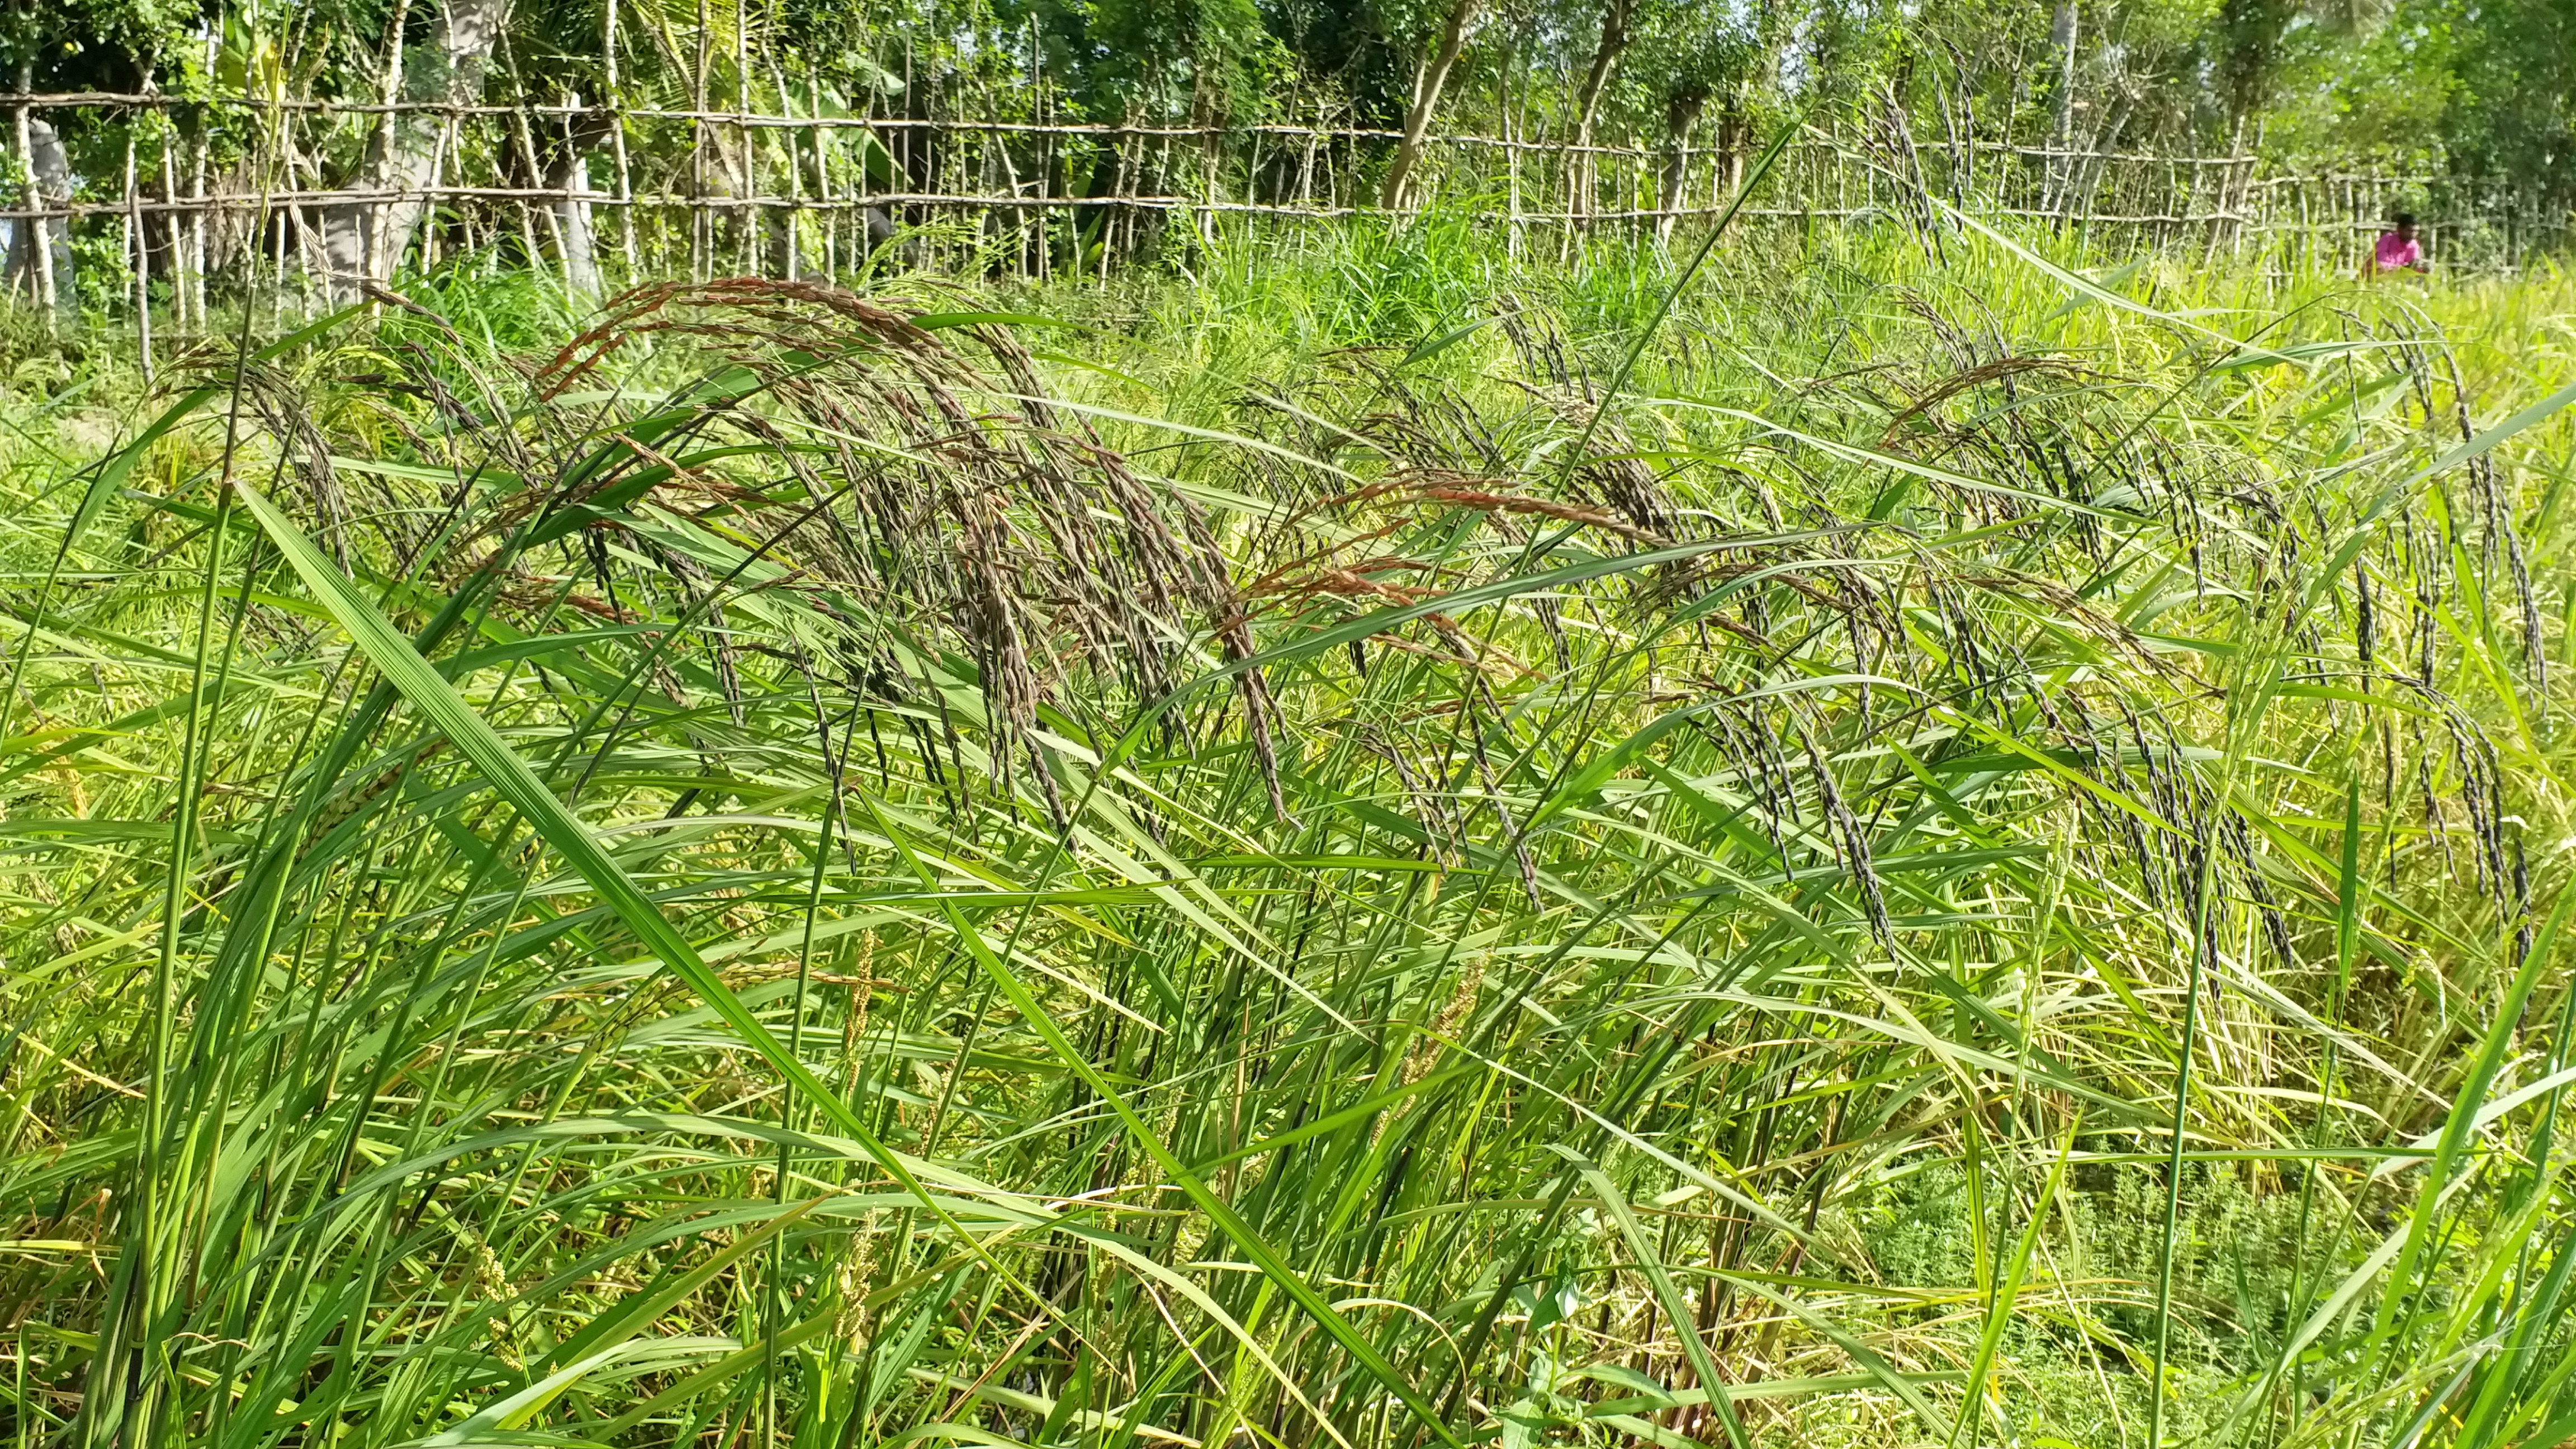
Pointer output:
x,y
236,193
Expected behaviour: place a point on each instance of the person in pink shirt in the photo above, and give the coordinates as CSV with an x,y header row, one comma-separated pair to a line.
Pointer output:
x,y
2398,250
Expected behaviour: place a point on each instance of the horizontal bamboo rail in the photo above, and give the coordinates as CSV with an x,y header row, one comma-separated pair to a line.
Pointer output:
x,y
704,189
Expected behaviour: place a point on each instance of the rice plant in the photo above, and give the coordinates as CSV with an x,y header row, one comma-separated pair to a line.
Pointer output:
x,y
1931,851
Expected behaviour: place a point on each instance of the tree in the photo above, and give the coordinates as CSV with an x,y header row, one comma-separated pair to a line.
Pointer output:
x,y
1615,17
365,241
39,265
1427,84
2507,70
1704,56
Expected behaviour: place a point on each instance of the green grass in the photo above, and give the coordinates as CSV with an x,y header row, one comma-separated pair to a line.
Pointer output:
x,y
1270,861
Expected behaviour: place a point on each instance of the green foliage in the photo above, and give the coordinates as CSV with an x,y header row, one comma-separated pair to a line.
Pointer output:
x,y
2477,88
2511,70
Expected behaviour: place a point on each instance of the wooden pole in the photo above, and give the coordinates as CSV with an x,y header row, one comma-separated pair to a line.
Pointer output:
x,y
34,243
612,98
527,139
170,221
795,136
1044,111
754,224
701,247
138,247
195,278
1513,122
831,215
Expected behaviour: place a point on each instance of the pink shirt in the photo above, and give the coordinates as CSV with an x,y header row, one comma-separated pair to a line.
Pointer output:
x,y
2397,253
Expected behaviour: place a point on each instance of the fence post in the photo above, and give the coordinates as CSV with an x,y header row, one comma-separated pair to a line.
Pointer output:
x,y
193,279
700,244
170,219
135,248
537,177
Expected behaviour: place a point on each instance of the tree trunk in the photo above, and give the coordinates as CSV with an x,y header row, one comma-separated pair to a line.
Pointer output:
x,y
40,251
571,176
1734,129
1614,39
1680,118
1426,99
2062,34
1587,99
366,241
727,177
